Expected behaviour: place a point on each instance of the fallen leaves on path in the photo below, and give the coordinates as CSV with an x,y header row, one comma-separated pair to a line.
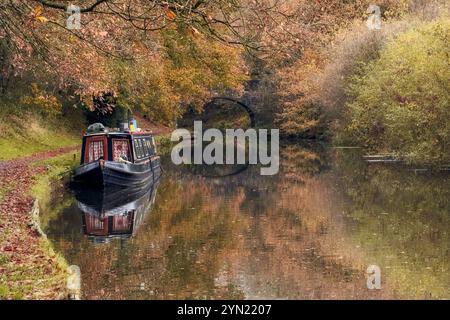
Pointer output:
x,y
27,270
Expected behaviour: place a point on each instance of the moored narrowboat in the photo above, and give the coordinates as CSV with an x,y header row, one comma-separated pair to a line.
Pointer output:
x,y
120,159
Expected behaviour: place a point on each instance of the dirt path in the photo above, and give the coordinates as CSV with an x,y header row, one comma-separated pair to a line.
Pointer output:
x,y
27,268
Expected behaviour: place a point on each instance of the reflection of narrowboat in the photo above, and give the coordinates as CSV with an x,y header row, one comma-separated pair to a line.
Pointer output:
x,y
117,159
115,215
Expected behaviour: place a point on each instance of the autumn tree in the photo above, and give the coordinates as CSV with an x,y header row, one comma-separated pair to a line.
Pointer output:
x,y
182,51
301,112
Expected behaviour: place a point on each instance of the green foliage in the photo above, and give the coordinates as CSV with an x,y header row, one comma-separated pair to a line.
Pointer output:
x,y
142,87
111,119
57,168
198,62
51,182
25,132
400,102
312,75
186,71
41,102
163,144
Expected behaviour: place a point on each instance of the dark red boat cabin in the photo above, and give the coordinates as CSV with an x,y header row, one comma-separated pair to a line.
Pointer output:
x,y
117,146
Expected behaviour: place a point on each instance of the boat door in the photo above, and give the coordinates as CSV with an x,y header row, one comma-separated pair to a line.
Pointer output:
x,y
96,147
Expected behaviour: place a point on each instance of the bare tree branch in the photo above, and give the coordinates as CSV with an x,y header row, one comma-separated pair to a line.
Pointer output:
x,y
55,5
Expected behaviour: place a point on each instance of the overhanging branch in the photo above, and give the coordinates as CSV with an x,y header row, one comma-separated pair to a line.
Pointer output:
x,y
59,6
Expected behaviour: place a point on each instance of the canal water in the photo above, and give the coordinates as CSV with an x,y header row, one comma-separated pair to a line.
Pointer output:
x,y
309,232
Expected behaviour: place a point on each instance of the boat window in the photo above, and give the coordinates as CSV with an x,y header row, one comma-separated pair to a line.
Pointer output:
x,y
145,147
141,146
152,142
95,150
121,150
150,145
138,148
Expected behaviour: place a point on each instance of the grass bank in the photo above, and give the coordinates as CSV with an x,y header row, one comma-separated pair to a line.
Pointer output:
x,y
163,144
29,266
24,133
30,280
50,185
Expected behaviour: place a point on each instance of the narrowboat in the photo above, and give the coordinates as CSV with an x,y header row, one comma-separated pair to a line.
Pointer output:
x,y
122,159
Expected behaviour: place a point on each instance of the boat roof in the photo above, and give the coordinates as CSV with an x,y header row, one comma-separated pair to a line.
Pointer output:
x,y
119,133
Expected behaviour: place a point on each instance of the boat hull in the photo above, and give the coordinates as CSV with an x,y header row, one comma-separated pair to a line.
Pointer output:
x,y
112,174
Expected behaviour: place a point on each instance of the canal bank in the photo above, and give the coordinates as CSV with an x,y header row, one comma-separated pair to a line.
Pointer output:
x,y
31,192
29,267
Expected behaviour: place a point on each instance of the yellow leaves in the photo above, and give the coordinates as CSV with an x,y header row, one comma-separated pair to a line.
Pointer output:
x,y
41,101
397,102
42,19
37,14
170,15
38,10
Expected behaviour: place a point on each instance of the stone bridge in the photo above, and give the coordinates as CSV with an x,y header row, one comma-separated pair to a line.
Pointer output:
x,y
242,104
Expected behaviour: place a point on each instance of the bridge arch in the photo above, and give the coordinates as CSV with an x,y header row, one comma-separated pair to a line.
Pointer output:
x,y
250,112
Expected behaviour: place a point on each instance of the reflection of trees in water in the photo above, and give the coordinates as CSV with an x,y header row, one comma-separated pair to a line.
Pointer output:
x,y
298,161
301,247
402,220
254,236
176,253
293,244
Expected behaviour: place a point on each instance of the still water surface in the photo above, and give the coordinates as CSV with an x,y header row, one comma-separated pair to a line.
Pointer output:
x,y
309,232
